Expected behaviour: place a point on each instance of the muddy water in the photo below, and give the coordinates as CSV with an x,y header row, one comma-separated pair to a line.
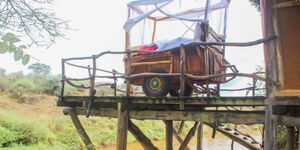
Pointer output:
x,y
220,142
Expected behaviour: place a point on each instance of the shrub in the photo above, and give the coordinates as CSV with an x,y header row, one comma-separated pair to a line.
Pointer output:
x,y
15,130
21,88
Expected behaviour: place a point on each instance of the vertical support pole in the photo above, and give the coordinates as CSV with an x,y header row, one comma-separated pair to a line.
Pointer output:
x,y
200,136
182,75
115,82
122,128
63,77
83,135
254,86
290,138
92,85
123,110
270,141
169,135
154,30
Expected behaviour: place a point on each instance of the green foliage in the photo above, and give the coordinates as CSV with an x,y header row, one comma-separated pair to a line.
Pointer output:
x,y
16,130
21,88
40,69
8,43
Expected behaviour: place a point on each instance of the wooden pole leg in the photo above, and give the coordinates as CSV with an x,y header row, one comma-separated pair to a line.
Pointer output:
x,y
83,135
270,141
169,135
122,129
200,137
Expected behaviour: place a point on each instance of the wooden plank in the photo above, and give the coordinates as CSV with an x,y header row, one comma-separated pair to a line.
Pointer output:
x,y
83,135
224,101
189,136
202,116
140,136
290,138
151,63
169,134
283,101
285,93
200,137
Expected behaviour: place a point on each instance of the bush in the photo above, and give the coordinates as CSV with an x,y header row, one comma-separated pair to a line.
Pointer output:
x,y
21,88
15,130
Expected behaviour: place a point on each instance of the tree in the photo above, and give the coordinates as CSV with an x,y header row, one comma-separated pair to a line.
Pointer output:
x,y
31,20
40,69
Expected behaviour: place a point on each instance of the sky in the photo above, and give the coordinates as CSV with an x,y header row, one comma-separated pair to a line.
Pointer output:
x,y
98,27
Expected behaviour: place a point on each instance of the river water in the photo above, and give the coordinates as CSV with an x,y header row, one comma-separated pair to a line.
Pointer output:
x,y
220,142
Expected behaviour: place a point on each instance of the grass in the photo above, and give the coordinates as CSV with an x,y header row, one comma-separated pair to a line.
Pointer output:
x,y
39,125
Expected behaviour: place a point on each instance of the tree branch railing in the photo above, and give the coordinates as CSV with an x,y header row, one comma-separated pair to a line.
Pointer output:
x,y
115,75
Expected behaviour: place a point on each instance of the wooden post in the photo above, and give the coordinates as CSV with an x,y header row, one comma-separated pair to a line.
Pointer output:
x,y
122,107
189,136
182,75
270,141
200,137
169,135
290,138
85,138
122,128
140,136
63,77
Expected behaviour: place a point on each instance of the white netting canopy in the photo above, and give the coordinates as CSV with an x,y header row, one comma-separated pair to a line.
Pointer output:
x,y
164,19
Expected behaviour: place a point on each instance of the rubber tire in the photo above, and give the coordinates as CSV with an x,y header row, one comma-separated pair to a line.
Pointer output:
x,y
163,91
188,91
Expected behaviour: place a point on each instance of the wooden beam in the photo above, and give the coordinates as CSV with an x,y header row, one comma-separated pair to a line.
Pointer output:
x,y
151,63
140,136
290,138
169,135
189,136
200,137
270,141
83,135
223,101
288,120
202,116
283,101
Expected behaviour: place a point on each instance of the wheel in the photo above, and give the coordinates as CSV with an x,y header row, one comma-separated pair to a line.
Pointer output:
x,y
156,86
188,91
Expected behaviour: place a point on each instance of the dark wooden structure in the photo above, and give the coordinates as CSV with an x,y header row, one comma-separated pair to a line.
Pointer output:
x,y
281,22
281,18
